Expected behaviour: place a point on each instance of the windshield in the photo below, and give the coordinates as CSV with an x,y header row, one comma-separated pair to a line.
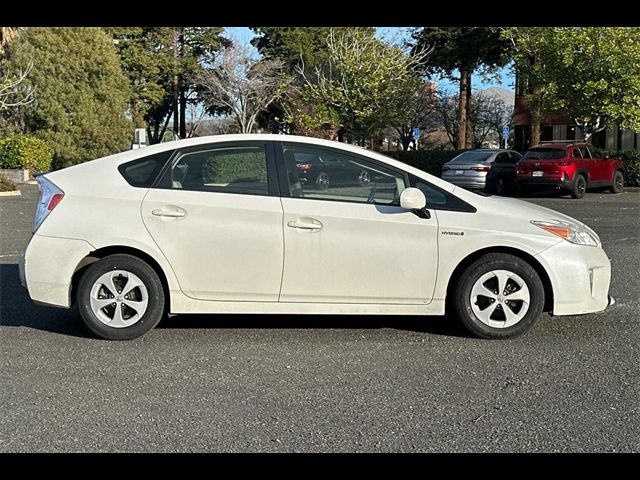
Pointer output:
x,y
545,154
473,157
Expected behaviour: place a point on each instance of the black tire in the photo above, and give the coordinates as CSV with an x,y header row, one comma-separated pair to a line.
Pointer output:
x,y
579,187
488,263
617,184
156,298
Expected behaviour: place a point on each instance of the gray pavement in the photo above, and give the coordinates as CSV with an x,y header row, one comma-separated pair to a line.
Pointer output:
x,y
324,383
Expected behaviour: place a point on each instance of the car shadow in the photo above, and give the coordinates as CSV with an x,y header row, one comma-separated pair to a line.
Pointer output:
x,y
18,310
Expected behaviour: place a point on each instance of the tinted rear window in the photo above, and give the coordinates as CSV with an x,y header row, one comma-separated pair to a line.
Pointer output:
x,y
143,171
473,157
545,154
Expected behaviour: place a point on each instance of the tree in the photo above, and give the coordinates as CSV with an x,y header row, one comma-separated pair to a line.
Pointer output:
x,y
14,92
7,35
81,92
243,85
487,115
463,49
162,64
363,82
414,111
593,73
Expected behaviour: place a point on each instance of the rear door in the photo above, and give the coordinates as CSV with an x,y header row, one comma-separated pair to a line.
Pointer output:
x,y
216,216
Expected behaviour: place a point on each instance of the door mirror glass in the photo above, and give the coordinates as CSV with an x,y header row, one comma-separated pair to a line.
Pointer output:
x,y
412,199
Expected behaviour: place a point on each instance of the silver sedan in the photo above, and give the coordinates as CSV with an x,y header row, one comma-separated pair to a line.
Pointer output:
x,y
469,169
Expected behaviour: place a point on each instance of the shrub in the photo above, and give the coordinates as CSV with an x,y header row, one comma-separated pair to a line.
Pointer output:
x,y
631,161
430,161
6,185
26,152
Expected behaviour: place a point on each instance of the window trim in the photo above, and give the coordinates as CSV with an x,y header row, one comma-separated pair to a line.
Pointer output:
x,y
272,182
283,180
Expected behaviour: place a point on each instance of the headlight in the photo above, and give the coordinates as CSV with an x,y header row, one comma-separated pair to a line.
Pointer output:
x,y
578,234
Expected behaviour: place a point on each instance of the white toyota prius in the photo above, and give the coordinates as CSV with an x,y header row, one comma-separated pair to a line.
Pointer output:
x,y
285,224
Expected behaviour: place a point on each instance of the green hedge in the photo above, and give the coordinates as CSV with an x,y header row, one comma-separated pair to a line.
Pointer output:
x,y
430,161
631,161
6,185
25,152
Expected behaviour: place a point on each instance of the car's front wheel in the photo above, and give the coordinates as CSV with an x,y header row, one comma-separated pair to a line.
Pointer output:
x,y
499,296
579,186
120,297
618,182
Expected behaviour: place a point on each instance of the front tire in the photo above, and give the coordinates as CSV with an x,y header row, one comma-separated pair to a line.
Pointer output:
x,y
579,186
499,296
120,297
618,182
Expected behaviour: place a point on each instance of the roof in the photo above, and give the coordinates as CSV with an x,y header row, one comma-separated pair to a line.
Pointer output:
x,y
559,145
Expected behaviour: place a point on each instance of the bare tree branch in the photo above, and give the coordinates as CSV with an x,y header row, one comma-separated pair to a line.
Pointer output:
x,y
13,93
242,85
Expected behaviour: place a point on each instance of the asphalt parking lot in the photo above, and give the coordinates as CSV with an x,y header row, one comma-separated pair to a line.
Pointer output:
x,y
325,383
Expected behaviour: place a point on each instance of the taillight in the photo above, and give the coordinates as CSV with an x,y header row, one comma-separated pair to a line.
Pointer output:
x,y
480,169
50,197
304,166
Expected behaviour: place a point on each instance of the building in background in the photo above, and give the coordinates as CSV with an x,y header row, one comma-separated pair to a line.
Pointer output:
x,y
559,126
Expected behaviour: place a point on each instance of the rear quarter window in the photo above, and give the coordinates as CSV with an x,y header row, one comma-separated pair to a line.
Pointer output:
x,y
143,171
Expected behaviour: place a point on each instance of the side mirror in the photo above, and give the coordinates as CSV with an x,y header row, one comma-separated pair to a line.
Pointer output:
x,y
412,199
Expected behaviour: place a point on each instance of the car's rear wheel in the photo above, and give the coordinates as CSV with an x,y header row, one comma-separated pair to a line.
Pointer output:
x,y
579,186
501,188
120,297
618,182
499,296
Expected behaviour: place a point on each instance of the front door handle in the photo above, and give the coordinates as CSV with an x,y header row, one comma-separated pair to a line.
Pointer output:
x,y
170,211
305,224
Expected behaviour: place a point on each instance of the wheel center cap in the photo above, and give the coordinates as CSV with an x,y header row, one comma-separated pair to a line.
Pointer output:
x,y
119,298
500,299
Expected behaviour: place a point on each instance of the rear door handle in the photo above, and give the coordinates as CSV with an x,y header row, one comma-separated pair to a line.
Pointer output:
x,y
305,224
170,211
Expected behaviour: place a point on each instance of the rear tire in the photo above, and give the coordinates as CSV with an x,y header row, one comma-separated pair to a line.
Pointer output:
x,y
120,297
483,312
579,187
618,182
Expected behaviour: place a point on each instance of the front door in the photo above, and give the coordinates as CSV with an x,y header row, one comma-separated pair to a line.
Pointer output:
x,y
349,241
218,221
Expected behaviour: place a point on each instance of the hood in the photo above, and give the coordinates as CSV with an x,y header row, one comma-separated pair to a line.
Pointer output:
x,y
532,211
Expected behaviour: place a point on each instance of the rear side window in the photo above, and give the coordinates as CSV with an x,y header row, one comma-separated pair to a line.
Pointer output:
x,y
577,152
241,169
545,154
143,171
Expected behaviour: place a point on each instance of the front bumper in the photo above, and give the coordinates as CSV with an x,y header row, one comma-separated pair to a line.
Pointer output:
x,y
580,277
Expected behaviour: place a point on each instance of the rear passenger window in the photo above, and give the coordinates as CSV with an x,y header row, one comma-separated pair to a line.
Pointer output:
x,y
143,172
577,153
241,169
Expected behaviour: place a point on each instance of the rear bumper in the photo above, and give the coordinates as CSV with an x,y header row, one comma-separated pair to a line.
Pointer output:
x,y
544,182
466,182
580,278
47,266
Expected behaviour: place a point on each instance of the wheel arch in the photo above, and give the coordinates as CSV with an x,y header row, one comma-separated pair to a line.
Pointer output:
x,y
530,259
103,252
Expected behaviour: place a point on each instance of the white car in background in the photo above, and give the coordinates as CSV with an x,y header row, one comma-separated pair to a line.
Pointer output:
x,y
223,225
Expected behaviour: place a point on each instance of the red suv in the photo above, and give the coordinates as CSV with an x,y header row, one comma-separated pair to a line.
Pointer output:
x,y
571,167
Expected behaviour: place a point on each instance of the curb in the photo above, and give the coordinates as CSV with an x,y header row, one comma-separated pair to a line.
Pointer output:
x,y
13,193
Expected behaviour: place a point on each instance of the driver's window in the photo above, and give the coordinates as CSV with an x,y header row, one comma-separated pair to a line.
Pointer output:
x,y
327,174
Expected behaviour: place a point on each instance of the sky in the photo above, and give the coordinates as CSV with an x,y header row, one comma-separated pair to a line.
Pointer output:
x,y
506,80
